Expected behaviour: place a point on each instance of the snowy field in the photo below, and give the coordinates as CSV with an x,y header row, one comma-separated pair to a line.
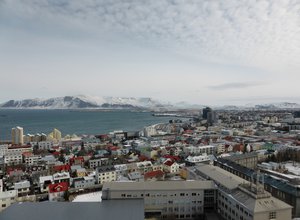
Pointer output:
x,y
89,197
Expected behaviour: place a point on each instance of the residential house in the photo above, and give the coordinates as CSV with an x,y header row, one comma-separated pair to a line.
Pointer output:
x,y
57,190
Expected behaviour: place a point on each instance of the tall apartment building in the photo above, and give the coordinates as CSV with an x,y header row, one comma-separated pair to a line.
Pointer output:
x,y
17,135
176,199
55,135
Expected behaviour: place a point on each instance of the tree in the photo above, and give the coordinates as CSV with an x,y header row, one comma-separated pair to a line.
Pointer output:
x,y
66,195
62,158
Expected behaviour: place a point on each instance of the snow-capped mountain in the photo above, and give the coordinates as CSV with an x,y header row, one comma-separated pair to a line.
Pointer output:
x,y
81,102
269,106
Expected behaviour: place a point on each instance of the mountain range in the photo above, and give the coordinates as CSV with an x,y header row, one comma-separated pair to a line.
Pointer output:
x,y
92,102
86,102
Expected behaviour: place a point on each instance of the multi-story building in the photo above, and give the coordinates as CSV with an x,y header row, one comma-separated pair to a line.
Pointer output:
x,y
3,149
199,150
19,149
55,135
97,162
7,198
242,200
248,160
83,182
31,159
13,158
105,174
61,177
17,135
23,187
45,145
177,199
280,188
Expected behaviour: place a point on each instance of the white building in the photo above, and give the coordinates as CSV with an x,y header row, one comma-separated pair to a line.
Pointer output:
x,y
198,150
45,145
3,149
23,187
17,136
44,182
150,131
198,159
7,198
97,162
13,158
61,177
84,182
31,159
171,167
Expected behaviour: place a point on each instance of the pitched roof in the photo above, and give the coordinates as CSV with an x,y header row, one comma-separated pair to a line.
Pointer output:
x,y
168,163
156,173
58,187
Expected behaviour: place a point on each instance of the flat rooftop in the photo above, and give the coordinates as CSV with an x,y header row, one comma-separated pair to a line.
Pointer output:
x,y
160,185
220,176
110,209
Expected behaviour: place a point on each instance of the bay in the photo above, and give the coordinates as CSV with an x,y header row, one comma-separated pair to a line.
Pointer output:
x,y
74,122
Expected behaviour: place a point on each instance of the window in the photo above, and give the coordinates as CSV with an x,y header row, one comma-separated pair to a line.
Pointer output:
x,y
272,215
3,205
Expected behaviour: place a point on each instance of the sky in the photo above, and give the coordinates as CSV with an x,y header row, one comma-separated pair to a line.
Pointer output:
x,y
199,51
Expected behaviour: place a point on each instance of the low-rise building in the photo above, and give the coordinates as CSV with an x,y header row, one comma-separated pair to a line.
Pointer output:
x,y
83,182
57,190
23,187
171,167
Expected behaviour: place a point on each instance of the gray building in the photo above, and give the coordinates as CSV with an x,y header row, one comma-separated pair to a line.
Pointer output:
x,y
176,199
239,199
115,209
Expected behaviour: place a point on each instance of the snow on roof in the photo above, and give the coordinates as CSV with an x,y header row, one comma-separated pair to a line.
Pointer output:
x,y
89,197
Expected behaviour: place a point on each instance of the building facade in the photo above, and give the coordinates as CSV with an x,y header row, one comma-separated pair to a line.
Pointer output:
x,y
176,199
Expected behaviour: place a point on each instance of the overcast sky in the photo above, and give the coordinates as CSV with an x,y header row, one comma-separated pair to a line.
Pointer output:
x,y
202,52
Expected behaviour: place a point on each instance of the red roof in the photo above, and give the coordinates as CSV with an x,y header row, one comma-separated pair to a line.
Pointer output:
x,y
169,163
174,158
18,146
156,173
59,168
58,187
56,153
27,154
143,158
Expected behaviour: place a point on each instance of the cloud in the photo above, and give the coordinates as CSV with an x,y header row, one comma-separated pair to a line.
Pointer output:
x,y
190,42
242,32
235,85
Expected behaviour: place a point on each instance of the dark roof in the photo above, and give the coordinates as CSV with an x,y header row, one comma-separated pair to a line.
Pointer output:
x,y
104,169
110,209
278,183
